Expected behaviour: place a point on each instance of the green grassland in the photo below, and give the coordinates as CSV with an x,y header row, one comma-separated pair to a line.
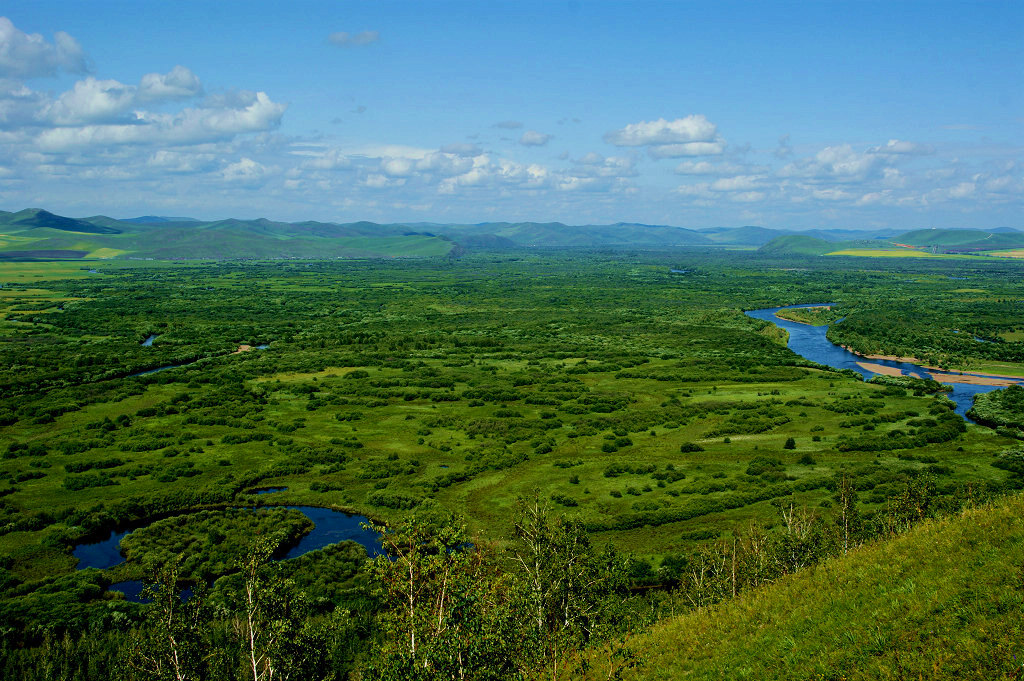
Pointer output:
x,y
383,386
941,602
636,400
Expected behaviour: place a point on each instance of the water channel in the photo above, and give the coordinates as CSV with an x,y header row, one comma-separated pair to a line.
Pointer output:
x,y
330,527
810,343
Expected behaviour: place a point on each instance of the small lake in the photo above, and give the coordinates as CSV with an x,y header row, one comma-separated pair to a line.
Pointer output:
x,y
149,341
810,342
330,527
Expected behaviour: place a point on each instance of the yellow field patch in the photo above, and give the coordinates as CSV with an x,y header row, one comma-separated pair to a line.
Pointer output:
x,y
886,253
1015,253
106,253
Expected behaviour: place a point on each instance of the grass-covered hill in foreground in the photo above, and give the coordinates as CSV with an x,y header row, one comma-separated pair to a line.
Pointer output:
x,y
943,601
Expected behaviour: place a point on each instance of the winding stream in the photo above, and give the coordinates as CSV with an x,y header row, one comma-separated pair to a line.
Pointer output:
x,y
810,343
330,527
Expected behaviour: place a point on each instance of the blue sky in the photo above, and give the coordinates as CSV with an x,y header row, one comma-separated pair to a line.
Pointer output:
x,y
799,115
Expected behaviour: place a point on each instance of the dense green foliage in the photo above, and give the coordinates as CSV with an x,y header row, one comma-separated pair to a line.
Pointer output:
x,y
815,316
1004,408
628,391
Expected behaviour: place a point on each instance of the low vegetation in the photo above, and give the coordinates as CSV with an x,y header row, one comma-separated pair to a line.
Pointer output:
x,y
656,432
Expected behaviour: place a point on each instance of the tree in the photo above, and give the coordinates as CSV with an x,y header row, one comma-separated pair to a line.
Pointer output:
x,y
447,609
790,444
566,582
173,642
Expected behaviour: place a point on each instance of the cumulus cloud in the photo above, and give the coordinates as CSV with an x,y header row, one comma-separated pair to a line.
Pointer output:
x,y
693,135
898,147
532,138
245,171
595,165
837,164
345,39
738,183
107,101
165,160
687,149
29,55
179,83
190,126
92,101
695,128
461,149
707,168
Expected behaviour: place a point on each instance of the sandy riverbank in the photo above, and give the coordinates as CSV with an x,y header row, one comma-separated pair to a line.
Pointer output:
x,y
880,369
999,381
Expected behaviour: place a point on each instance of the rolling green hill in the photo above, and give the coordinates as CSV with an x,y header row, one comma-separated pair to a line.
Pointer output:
x,y
944,601
948,240
39,234
796,244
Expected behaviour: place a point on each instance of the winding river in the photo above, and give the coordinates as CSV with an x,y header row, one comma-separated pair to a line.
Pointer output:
x,y
810,342
330,527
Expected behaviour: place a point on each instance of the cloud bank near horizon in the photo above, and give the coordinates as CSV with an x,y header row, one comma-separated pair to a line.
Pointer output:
x,y
171,142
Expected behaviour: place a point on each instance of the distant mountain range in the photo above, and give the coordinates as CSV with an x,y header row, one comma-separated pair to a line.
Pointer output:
x,y
929,240
38,234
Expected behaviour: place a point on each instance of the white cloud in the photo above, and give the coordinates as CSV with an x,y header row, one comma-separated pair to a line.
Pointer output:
x,y
748,197
168,161
179,83
687,149
397,167
28,55
898,147
961,191
332,159
245,171
595,165
695,128
92,101
836,164
532,138
345,39
461,149
190,126
735,184
707,168
831,194
378,181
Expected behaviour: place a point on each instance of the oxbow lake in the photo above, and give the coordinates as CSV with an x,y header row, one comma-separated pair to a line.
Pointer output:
x,y
330,527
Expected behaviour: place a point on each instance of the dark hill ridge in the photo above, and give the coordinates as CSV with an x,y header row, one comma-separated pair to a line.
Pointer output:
x,y
157,220
39,218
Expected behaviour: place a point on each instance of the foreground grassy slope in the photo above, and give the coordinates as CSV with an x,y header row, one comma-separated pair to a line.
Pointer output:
x,y
942,602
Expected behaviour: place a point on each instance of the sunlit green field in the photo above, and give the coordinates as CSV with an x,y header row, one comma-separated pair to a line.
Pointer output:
x,y
623,395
